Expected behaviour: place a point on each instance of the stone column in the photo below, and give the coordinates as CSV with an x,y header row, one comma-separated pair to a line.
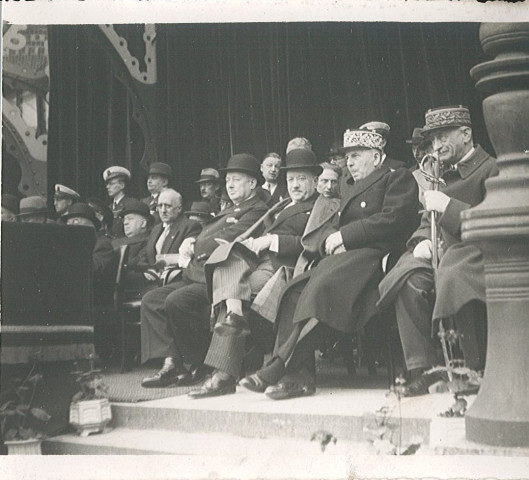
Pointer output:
x,y
500,227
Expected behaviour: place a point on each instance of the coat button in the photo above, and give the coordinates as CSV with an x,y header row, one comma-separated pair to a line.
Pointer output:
x,y
363,204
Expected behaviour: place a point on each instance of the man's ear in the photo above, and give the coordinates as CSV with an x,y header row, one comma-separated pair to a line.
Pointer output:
x,y
467,134
377,155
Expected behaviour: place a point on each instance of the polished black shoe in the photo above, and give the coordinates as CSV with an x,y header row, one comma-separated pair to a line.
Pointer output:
x,y
254,383
198,373
214,386
284,390
170,375
233,325
420,386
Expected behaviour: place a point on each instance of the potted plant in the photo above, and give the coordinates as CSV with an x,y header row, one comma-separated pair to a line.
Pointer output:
x,y
21,421
90,409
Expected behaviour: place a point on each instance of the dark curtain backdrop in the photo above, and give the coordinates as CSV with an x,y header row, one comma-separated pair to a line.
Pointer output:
x,y
251,87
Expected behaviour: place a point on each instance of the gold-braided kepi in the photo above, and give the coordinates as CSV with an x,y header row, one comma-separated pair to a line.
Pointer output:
x,y
446,117
362,139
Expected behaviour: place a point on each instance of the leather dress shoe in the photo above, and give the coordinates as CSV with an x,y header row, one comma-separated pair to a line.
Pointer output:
x,y
233,325
214,386
198,373
285,390
420,386
254,383
170,375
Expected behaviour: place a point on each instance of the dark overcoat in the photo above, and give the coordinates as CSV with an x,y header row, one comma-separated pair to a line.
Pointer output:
x,y
226,225
460,276
375,218
152,203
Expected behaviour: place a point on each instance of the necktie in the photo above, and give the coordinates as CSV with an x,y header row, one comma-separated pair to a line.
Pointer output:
x,y
161,239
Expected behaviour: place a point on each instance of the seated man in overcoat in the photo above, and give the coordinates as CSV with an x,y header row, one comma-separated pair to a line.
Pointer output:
x,y
459,281
164,310
237,272
376,216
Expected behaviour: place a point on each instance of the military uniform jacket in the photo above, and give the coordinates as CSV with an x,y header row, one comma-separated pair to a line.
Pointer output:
x,y
227,225
377,216
460,276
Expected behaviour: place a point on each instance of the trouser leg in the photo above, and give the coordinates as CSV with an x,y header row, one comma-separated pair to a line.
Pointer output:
x,y
302,358
188,318
414,308
471,323
156,336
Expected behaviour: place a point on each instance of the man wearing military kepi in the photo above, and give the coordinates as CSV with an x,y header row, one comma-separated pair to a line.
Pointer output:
x,y
116,179
63,198
459,281
375,218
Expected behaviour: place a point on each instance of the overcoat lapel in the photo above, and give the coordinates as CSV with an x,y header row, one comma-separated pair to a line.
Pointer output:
x,y
360,187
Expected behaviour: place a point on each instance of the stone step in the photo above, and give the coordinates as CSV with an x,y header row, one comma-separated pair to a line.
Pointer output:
x,y
124,441
342,412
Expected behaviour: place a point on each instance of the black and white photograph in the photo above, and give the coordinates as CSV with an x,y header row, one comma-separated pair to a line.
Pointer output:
x,y
264,240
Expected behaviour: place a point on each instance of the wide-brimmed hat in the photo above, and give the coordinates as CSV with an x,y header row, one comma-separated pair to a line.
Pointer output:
x,y
245,163
159,168
416,137
298,142
114,172
209,175
33,206
82,210
140,208
11,203
62,191
103,208
301,158
201,209
355,138
446,117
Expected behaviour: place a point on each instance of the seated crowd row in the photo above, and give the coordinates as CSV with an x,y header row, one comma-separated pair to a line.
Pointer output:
x,y
267,268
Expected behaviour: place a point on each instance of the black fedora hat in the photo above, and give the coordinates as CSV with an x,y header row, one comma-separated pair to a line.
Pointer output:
x,y
83,210
245,163
159,168
201,209
101,207
139,208
301,158
416,137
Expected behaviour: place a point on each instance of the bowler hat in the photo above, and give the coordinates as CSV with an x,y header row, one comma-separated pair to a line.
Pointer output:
x,y
209,175
302,158
140,208
159,168
61,191
245,163
115,171
416,137
10,202
83,210
32,206
446,117
200,209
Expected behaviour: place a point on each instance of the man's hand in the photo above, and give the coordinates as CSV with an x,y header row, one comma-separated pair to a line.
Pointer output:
x,y
187,248
436,201
333,241
259,244
423,250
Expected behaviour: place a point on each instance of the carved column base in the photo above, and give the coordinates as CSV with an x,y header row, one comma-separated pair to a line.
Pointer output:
x,y
500,413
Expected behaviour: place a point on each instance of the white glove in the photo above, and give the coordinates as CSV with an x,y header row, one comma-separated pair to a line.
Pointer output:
x,y
423,250
333,241
259,244
436,201
187,248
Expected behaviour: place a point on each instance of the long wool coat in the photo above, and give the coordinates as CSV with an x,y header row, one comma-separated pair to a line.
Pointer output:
x,y
376,216
460,276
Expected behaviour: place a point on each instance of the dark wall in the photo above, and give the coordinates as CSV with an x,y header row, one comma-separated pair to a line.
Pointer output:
x,y
251,87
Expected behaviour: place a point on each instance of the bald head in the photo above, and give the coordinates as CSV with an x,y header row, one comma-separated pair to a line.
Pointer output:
x,y
169,205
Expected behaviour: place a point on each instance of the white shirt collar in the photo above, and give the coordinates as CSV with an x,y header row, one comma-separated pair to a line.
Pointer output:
x,y
118,197
467,155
